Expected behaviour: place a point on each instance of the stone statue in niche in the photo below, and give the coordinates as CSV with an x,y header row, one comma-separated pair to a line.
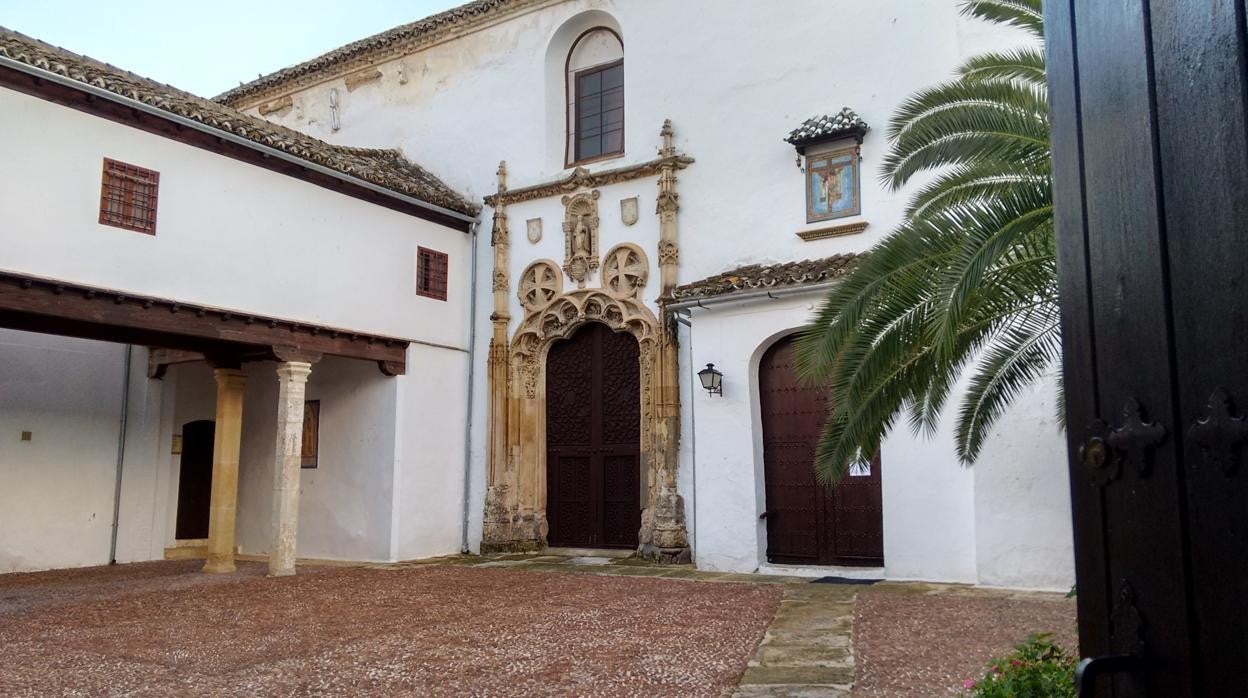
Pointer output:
x,y
580,233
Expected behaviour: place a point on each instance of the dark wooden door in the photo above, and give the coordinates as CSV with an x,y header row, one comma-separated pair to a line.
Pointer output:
x,y
593,439
195,480
1150,173
806,522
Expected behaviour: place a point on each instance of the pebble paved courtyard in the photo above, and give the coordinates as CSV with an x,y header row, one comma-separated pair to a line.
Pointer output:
x,y
509,625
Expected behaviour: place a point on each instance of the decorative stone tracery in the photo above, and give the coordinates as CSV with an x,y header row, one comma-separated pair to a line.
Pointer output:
x,y
515,506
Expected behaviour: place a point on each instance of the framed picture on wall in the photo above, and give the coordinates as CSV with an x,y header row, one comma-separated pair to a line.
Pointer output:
x,y
311,433
833,188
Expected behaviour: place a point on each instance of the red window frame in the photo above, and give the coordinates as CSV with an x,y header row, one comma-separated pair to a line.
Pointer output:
x,y
431,273
128,196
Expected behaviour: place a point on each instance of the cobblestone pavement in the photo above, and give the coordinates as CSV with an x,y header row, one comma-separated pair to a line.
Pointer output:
x,y
553,623
441,629
928,639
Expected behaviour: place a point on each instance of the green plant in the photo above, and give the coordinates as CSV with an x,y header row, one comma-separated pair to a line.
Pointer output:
x,y
968,282
1037,668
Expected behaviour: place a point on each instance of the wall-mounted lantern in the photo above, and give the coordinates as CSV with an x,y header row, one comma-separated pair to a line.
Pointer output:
x,y
712,380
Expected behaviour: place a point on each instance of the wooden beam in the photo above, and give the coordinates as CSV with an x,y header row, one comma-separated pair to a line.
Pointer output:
x,y
54,307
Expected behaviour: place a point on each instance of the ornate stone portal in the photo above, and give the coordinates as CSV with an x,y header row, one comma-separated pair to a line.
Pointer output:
x,y
515,503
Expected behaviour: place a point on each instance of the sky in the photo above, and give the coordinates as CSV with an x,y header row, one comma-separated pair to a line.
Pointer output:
x,y
208,47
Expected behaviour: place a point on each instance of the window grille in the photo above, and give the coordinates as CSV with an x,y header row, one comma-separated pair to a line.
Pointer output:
x,y
431,273
128,197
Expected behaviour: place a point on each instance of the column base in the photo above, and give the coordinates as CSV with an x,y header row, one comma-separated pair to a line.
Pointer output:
x,y
219,566
664,538
665,556
508,531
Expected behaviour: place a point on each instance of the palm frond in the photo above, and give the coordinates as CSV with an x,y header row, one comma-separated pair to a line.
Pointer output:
x,y
1026,14
1024,65
966,282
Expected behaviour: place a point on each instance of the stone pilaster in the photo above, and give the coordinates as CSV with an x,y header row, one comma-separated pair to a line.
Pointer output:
x,y
223,507
664,535
502,495
292,379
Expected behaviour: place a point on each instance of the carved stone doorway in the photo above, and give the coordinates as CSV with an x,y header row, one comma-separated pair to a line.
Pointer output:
x,y
593,439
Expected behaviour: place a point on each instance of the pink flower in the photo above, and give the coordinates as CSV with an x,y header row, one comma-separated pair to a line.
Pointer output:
x,y
1016,662
970,683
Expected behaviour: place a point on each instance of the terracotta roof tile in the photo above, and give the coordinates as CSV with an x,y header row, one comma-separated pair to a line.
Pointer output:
x,y
367,47
385,168
765,276
826,127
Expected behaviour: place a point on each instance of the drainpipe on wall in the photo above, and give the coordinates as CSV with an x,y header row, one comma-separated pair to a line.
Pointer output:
x,y
121,455
472,368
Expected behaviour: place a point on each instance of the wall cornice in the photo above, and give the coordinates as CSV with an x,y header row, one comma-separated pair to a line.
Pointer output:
x,y
581,178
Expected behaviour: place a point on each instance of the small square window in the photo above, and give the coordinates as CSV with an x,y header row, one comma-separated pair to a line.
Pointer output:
x,y
128,197
431,273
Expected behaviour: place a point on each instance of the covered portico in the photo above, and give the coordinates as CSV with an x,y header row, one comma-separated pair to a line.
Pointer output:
x,y
226,339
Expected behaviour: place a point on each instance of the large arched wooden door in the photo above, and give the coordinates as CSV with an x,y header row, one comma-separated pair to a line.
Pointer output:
x,y
593,439
807,523
195,480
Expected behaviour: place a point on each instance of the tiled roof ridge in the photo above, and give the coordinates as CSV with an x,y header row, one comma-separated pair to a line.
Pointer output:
x,y
386,168
823,126
476,10
763,276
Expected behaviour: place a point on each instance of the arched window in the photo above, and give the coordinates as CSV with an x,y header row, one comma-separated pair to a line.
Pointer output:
x,y
595,92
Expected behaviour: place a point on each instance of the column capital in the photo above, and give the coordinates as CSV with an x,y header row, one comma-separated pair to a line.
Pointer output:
x,y
296,371
233,377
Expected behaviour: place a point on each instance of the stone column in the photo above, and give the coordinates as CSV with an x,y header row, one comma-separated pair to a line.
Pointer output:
x,y
664,534
501,495
223,507
292,377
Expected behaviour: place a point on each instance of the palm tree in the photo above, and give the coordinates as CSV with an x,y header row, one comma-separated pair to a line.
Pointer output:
x,y
968,282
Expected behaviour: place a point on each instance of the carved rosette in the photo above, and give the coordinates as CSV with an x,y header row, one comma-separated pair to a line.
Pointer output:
x,y
625,270
540,282
580,235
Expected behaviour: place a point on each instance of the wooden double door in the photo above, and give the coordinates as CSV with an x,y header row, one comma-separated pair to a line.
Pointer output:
x,y
593,439
808,523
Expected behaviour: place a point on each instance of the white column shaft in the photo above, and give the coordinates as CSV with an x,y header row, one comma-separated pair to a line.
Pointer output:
x,y
292,377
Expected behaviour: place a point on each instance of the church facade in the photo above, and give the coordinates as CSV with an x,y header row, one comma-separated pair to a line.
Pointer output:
x,y
626,194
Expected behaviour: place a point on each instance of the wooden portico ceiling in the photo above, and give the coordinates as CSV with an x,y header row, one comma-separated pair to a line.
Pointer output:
x,y
225,337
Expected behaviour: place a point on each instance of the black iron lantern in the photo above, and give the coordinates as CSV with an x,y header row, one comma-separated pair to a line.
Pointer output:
x,y
712,380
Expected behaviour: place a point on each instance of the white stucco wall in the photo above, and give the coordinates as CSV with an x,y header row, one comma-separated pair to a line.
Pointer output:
x,y
228,234
56,503
1003,522
234,236
713,68
303,252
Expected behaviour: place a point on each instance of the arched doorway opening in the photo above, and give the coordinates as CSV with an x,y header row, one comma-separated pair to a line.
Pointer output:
x,y
195,480
808,523
593,437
